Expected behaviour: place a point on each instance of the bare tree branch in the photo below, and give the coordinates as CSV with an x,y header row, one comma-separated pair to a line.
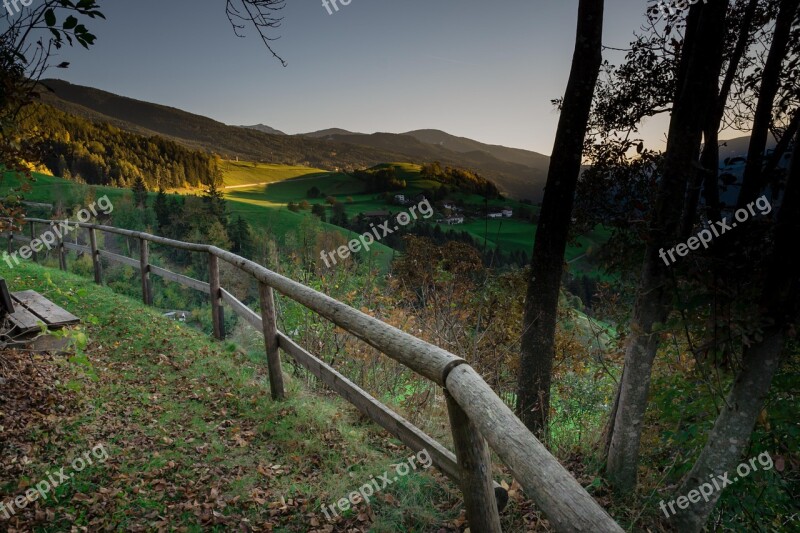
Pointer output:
x,y
262,14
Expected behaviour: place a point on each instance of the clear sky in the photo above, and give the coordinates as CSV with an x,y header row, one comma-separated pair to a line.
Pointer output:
x,y
478,69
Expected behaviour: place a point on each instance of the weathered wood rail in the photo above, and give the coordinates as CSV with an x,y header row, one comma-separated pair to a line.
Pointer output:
x,y
480,420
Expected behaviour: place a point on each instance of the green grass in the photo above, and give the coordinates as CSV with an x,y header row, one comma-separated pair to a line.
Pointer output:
x,y
48,189
245,172
271,187
193,436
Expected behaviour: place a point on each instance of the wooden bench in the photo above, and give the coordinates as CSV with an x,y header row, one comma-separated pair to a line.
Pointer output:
x,y
27,310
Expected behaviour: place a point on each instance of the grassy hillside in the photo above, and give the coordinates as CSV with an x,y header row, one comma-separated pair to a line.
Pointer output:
x,y
263,215
260,193
509,234
193,439
265,206
237,173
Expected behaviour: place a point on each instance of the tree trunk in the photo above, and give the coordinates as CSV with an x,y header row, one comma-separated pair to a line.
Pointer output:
x,y
731,431
541,304
696,89
708,179
762,120
734,425
781,147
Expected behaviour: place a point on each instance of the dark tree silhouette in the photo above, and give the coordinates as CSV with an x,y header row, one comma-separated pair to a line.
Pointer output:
x,y
541,306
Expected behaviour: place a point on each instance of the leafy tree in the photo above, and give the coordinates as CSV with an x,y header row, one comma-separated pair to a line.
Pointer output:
x,y
339,215
319,210
313,192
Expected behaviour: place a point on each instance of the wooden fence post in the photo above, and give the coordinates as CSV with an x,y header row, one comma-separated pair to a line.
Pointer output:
x,y
61,250
96,264
144,263
475,462
217,316
35,255
270,328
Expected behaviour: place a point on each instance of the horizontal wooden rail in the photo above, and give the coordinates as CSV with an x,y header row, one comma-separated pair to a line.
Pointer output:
x,y
422,357
180,279
77,247
68,245
409,434
120,259
565,502
567,505
247,314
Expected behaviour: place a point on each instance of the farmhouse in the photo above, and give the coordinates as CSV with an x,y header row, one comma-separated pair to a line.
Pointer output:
x,y
495,215
450,221
507,212
400,199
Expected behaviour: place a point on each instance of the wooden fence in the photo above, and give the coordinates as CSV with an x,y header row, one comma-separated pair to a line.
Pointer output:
x,y
479,419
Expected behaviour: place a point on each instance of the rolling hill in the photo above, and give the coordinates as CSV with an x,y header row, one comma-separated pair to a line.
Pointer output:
x,y
263,128
327,149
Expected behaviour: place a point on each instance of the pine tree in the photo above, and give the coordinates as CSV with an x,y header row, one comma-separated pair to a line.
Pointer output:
x,y
161,207
215,204
240,237
139,193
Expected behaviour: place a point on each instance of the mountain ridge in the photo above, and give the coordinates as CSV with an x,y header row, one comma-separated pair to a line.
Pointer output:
x,y
333,152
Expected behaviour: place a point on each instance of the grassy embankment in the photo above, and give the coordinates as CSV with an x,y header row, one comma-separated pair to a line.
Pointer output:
x,y
193,438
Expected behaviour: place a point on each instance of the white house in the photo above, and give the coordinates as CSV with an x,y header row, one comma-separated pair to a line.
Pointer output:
x,y
495,215
507,212
400,198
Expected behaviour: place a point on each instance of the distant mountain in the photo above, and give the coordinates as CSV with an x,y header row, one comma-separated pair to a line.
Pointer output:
x,y
502,165
474,153
197,131
739,146
465,145
264,129
518,173
328,132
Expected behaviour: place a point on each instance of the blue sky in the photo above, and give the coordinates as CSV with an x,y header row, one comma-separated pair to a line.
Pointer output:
x,y
477,69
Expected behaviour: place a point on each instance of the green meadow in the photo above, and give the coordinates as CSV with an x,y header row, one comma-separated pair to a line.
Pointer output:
x,y
260,194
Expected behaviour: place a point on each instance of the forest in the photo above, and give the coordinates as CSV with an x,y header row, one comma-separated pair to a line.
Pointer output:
x,y
102,154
